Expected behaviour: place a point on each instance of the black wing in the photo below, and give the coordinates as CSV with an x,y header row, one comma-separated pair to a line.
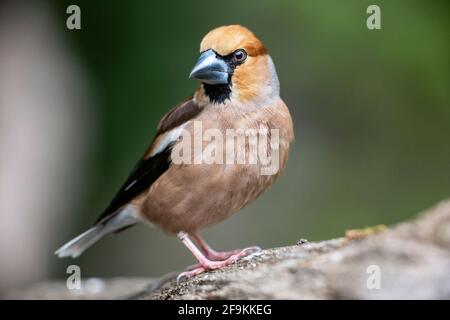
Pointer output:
x,y
141,178
148,170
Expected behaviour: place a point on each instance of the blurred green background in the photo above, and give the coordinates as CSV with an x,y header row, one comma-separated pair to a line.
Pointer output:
x,y
371,112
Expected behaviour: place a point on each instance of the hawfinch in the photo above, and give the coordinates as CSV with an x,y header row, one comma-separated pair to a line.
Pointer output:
x,y
213,153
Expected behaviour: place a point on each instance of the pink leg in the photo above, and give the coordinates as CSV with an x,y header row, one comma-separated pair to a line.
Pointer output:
x,y
204,262
214,255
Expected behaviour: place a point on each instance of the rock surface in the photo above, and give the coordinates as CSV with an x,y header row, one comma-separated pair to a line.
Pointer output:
x,y
407,261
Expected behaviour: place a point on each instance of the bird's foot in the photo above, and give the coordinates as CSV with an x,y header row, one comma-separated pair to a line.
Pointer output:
x,y
206,264
223,255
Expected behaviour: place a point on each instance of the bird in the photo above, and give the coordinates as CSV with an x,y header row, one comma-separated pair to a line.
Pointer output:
x,y
239,91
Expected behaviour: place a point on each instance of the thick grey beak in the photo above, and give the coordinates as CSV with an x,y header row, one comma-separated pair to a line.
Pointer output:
x,y
210,69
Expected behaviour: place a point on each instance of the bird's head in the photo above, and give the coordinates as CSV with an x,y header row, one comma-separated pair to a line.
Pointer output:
x,y
234,65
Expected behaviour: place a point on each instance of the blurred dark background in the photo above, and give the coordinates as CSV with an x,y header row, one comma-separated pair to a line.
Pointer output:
x,y
78,108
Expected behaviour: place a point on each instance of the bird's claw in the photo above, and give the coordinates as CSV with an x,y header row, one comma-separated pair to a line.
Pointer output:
x,y
208,265
252,249
189,274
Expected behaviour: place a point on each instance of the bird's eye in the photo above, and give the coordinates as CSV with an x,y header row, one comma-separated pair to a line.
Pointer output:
x,y
239,56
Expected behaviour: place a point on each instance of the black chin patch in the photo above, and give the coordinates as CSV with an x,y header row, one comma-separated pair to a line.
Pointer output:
x,y
217,93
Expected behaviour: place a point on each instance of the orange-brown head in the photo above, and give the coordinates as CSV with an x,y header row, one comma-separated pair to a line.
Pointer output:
x,y
234,65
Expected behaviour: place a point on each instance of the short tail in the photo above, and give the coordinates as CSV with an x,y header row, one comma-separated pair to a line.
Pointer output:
x,y
75,247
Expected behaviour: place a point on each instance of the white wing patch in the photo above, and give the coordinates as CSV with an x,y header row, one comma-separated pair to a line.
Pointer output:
x,y
171,136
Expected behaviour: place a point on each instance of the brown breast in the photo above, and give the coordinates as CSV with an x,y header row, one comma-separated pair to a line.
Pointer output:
x,y
193,196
